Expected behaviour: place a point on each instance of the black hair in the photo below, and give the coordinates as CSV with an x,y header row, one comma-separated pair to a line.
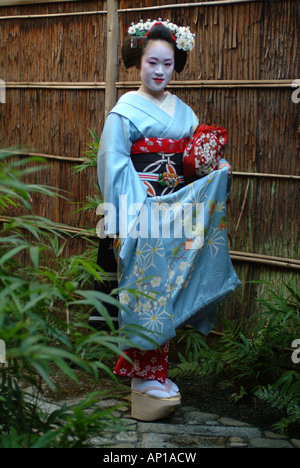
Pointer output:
x,y
132,56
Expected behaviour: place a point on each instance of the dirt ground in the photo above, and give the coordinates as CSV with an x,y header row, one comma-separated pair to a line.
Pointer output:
x,y
216,398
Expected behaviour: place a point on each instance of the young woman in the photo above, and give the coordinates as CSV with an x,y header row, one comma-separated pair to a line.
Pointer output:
x,y
180,272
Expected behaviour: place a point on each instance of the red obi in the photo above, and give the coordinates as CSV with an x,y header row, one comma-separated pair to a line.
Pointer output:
x,y
159,145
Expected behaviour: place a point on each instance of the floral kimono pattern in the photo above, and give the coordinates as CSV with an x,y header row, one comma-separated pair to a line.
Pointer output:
x,y
178,278
179,264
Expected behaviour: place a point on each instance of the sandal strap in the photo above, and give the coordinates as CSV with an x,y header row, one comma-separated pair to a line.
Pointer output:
x,y
166,388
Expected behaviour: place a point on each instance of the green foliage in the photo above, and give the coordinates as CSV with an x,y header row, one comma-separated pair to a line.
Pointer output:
x,y
90,161
253,357
91,154
283,394
38,342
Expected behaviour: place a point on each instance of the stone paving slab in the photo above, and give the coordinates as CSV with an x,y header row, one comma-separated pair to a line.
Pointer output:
x,y
153,440
189,428
186,428
196,430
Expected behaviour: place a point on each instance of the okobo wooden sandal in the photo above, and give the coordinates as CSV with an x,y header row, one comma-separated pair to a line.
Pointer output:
x,y
146,407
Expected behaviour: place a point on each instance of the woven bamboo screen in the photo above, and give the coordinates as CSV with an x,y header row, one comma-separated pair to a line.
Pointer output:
x,y
54,61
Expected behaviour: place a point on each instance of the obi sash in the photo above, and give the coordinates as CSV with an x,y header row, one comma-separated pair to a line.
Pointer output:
x,y
158,162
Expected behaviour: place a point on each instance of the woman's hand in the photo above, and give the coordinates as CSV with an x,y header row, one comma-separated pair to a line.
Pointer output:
x,y
224,164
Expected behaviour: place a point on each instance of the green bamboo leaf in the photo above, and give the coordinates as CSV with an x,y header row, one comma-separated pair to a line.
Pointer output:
x,y
10,254
35,255
46,439
65,368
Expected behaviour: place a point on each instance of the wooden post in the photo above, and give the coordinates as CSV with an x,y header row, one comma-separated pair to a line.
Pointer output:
x,y
112,55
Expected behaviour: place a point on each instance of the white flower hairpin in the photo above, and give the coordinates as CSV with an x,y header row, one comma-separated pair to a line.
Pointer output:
x,y
185,39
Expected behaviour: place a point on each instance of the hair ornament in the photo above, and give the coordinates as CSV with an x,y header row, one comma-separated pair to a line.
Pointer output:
x,y
184,39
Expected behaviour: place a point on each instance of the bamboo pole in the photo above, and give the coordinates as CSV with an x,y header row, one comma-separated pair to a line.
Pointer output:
x,y
112,55
46,156
261,174
264,261
55,85
73,159
125,10
188,5
264,257
54,15
216,83
29,2
239,256
134,84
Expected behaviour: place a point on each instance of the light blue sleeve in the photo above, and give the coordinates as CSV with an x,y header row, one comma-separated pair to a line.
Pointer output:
x,y
116,174
223,160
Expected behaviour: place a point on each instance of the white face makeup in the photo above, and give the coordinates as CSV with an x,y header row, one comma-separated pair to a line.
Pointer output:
x,y
157,68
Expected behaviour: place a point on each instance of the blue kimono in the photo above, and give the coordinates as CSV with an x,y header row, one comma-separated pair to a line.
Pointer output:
x,y
173,249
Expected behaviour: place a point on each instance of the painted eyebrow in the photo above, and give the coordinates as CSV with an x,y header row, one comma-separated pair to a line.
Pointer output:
x,y
165,60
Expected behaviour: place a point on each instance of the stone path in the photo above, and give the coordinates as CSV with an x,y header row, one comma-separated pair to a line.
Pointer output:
x,y
186,428
190,428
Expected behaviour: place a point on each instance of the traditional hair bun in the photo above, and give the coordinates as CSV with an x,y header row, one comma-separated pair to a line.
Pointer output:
x,y
132,49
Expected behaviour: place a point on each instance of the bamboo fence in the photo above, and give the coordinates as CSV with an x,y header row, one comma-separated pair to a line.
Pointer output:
x,y
63,72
